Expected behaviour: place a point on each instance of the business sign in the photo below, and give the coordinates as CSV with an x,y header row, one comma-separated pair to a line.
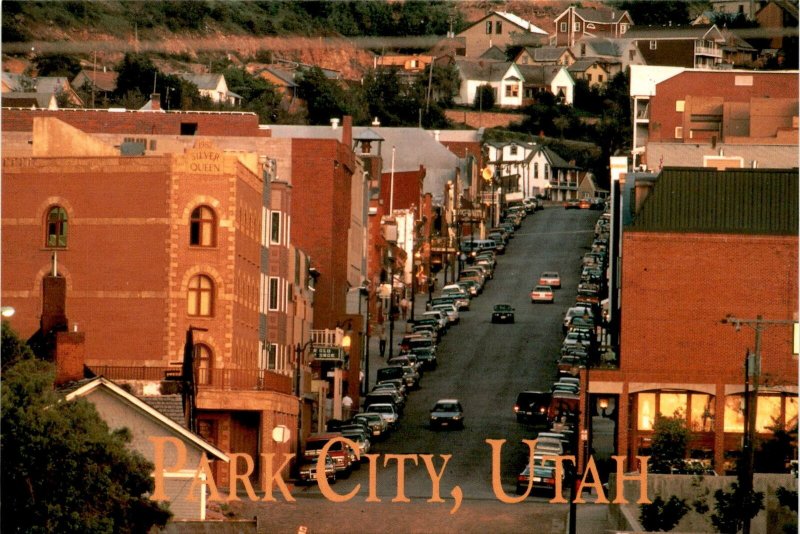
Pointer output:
x,y
328,353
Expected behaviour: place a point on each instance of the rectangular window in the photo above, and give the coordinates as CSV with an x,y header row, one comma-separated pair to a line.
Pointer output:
x,y
679,105
273,293
583,49
623,28
701,413
188,128
535,171
498,27
653,45
272,356
679,132
600,78
275,227
488,26
512,150
512,91
589,78
563,27
646,411
672,405
577,26
734,414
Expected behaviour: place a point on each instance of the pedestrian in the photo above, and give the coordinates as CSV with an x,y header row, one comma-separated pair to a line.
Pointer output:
x,y
381,339
404,306
347,406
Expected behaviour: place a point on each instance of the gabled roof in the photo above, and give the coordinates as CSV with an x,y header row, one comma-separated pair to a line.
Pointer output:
x,y
18,99
734,42
14,81
785,5
52,84
513,19
601,46
482,69
675,32
555,161
582,64
494,53
287,77
539,74
102,80
207,82
702,200
137,404
601,16
546,53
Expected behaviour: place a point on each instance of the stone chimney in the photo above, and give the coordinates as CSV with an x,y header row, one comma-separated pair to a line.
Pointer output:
x,y
155,98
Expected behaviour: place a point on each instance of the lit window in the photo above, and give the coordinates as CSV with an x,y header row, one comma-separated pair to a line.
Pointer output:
x,y
275,227
701,413
204,360
646,410
56,227
653,45
734,414
768,413
202,228
672,405
201,296
790,415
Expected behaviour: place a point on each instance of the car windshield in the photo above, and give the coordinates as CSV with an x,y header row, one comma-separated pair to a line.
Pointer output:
x,y
445,407
549,275
502,307
542,288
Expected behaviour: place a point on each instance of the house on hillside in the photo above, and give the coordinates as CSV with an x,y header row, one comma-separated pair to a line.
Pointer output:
x,y
777,17
615,55
561,177
545,55
546,79
698,47
500,29
575,22
503,77
590,70
99,84
212,86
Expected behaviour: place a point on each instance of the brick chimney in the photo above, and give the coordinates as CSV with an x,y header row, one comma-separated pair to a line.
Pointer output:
x,y
70,356
155,100
54,302
347,130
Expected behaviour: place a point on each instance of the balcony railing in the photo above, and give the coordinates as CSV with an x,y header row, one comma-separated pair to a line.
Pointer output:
x,y
225,379
707,51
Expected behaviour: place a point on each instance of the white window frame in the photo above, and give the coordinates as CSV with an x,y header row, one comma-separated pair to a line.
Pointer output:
x,y
679,132
653,45
563,27
273,220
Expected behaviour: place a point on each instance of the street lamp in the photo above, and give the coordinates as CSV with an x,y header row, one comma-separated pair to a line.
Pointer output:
x,y
752,367
7,311
417,265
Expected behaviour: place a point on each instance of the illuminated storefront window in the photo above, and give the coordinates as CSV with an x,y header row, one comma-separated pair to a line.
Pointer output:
x,y
646,411
672,405
734,413
769,414
701,413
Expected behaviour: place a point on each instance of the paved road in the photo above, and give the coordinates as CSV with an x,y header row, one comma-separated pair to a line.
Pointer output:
x,y
484,365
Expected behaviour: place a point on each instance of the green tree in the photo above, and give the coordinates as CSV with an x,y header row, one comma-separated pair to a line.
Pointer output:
x,y
57,65
324,98
484,97
727,516
661,516
668,446
63,470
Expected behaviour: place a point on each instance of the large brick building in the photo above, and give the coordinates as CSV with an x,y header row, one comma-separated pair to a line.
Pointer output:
x,y
206,245
700,248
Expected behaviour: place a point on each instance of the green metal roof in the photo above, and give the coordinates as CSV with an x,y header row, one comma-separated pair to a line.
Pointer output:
x,y
733,201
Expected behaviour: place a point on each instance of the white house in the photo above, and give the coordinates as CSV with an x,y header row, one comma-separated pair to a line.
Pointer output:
x,y
504,77
213,86
554,79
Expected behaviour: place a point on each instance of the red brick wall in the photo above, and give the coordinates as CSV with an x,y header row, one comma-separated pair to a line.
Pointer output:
x,y
139,122
407,189
676,288
664,118
70,356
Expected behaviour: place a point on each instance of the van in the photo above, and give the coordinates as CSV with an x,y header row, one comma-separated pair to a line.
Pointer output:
x,y
472,247
338,451
532,406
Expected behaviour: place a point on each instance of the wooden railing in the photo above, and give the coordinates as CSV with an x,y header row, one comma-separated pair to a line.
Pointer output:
x,y
226,379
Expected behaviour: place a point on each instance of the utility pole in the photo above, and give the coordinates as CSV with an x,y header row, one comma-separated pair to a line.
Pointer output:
x,y
752,373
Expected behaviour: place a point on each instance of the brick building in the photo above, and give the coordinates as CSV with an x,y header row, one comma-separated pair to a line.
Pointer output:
x,y
208,240
697,250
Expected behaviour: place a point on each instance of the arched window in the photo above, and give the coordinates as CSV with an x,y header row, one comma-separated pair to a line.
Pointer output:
x,y
203,227
56,227
205,363
201,296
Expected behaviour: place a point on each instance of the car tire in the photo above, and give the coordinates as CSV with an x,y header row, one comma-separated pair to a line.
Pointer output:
x,y
520,490
332,480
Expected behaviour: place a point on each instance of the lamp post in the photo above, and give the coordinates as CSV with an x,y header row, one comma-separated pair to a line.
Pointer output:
x,y
752,368
299,352
417,265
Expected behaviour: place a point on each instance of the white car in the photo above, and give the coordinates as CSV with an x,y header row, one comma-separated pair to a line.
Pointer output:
x,y
386,411
440,316
451,311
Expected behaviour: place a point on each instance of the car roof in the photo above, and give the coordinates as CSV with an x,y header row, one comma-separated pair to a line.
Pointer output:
x,y
447,400
549,273
542,288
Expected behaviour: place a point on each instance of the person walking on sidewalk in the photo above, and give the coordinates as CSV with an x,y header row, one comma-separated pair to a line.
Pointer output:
x,y
380,330
404,307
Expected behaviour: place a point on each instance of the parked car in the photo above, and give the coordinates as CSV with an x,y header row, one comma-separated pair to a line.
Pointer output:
x,y
573,204
532,406
387,411
377,424
427,356
338,451
471,286
544,478
453,316
584,204
360,438
550,278
542,294
447,413
461,297
308,470
503,313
